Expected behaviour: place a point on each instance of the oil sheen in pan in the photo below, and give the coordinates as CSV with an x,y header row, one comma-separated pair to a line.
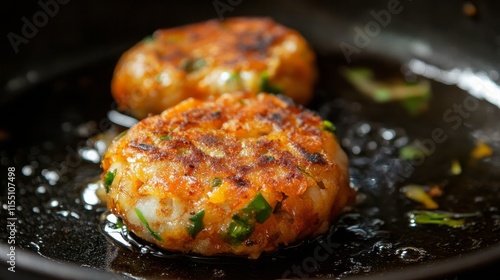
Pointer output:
x,y
373,236
370,144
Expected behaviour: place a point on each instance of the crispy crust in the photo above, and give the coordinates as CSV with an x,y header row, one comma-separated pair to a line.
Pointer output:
x,y
211,58
166,164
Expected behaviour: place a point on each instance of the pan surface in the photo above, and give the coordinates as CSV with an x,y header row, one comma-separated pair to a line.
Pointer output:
x,y
52,108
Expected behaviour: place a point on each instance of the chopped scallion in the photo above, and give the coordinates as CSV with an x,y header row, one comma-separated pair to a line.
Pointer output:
x,y
165,138
192,65
145,222
414,97
197,224
439,218
216,182
456,168
119,223
329,126
239,229
108,179
261,208
266,86
120,135
243,222
411,152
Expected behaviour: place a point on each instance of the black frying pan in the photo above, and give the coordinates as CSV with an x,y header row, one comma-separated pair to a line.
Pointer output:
x,y
56,96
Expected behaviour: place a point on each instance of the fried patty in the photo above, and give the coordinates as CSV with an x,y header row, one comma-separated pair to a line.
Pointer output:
x,y
211,58
239,174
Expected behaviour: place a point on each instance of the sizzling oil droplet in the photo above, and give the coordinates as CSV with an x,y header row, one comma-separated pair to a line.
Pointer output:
x,y
411,254
66,213
89,194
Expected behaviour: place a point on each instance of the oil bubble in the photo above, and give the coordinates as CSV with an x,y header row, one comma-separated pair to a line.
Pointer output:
x,y
411,254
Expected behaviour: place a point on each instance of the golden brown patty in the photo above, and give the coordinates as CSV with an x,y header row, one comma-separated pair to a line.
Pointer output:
x,y
211,58
238,174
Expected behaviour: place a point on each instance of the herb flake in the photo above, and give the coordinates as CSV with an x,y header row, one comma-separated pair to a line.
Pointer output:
x,y
243,223
413,97
165,138
145,222
216,182
192,65
197,224
450,219
329,126
266,86
261,208
411,152
109,177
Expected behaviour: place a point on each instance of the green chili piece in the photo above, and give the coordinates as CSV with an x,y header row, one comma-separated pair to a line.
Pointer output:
x,y
197,225
145,222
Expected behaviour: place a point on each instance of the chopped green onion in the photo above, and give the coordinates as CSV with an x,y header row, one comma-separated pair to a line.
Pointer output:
x,y
261,208
145,222
216,182
148,39
192,65
197,225
108,179
239,229
382,95
415,105
266,86
411,152
159,78
329,126
120,135
119,223
414,97
243,222
439,218
456,168
234,76
165,137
